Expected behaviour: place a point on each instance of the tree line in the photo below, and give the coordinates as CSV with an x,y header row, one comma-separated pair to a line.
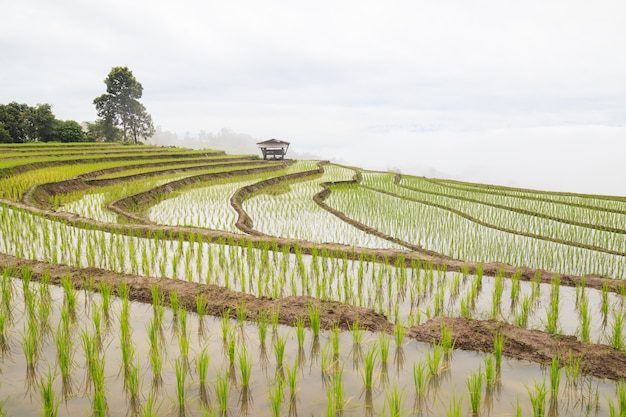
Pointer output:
x,y
121,117
21,123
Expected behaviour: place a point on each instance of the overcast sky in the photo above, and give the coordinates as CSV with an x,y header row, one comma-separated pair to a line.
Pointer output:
x,y
529,93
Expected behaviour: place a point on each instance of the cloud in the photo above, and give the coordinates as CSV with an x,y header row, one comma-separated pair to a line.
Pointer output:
x,y
334,77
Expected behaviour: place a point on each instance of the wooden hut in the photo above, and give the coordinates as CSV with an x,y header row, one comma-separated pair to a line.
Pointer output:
x,y
273,149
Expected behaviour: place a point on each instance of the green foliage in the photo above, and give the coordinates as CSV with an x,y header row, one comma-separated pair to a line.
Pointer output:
x,y
69,131
120,107
21,123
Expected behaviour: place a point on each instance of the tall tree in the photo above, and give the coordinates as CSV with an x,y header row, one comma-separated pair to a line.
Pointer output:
x,y
120,106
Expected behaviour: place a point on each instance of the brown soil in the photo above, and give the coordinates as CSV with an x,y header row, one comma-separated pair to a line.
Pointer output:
x,y
474,335
532,345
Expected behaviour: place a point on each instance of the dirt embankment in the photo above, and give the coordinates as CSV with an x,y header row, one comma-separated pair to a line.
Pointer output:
x,y
475,335
40,195
532,345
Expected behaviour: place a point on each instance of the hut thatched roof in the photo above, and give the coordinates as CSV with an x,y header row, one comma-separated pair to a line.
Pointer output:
x,y
273,143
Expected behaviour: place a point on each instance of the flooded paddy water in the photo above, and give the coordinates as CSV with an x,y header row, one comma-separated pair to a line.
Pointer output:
x,y
194,365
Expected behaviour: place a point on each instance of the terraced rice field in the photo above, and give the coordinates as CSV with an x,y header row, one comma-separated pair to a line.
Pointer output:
x,y
138,280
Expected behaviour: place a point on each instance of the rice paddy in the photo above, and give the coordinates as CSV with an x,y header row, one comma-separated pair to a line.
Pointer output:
x,y
407,248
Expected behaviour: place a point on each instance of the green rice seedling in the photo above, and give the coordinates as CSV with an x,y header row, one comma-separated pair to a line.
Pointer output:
x,y
45,308
30,345
71,295
537,395
518,408
398,333
245,366
498,347
604,302
420,378
231,347
618,408
585,320
126,343
433,359
573,367
325,365
580,290
454,407
49,400
515,287
292,379
553,317
357,333
368,369
149,408
617,338
158,298
203,365
490,371
553,310
474,385
123,290
156,364
331,408
555,376
334,340
262,324
338,389
300,332
96,319
276,397
100,406
383,343
201,305
64,345
394,401
183,337
89,351
274,319
181,376
30,301
105,292
496,298
446,340
279,350
4,346
174,305
240,312
521,320
225,325
536,285
133,386
465,306
221,387
314,318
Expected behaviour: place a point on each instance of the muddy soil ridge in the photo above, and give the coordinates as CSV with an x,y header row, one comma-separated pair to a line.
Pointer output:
x,y
469,334
538,346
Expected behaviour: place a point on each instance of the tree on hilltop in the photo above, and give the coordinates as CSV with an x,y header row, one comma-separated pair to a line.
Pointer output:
x,y
120,108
